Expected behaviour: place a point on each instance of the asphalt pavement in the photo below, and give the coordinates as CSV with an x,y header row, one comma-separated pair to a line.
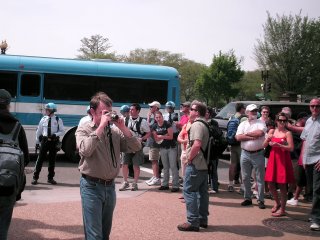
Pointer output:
x,y
54,212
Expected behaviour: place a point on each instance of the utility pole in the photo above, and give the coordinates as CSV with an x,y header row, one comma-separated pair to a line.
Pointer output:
x,y
264,77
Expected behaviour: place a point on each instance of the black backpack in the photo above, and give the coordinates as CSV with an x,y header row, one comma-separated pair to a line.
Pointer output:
x,y
216,143
138,124
11,164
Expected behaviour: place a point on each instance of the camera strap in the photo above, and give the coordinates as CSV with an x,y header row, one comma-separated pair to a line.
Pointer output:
x,y
113,155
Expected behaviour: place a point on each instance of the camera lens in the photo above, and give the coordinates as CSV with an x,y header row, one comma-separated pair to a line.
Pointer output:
x,y
114,117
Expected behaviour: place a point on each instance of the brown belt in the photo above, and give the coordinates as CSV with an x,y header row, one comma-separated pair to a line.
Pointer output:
x,y
98,180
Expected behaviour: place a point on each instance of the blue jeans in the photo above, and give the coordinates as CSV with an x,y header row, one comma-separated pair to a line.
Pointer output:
x,y
169,161
195,186
5,220
98,202
248,162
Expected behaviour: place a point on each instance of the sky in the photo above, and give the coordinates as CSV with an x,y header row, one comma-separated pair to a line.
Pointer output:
x,y
198,29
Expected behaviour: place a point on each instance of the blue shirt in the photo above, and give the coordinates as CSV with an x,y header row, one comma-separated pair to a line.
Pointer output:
x,y
311,135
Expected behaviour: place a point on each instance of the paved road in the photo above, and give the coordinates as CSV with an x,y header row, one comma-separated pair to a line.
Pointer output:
x,y
54,212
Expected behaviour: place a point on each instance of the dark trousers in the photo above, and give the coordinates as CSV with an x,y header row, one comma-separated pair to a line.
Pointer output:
x,y
315,211
47,146
5,220
309,178
213,174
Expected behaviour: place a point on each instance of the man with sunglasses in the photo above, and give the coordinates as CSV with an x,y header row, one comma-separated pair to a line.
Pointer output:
x,y
311,158
251,134
195,185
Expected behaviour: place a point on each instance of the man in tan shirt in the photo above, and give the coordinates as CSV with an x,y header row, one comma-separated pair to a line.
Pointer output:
x,y
99,146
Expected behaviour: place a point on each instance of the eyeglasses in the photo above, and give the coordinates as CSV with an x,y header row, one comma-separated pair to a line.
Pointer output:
x,y
193,109
315,106
282,120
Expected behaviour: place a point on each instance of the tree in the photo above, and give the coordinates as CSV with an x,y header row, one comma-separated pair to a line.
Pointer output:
x,y
250,85
218,81
97,47
189,70
290,50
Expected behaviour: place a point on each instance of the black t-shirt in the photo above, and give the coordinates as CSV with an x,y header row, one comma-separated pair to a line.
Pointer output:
x,y
163,130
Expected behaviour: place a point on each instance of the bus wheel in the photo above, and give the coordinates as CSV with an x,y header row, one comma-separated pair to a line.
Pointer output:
x,y
70,149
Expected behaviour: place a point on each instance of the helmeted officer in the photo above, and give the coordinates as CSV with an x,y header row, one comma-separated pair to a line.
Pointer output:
x,y
49,130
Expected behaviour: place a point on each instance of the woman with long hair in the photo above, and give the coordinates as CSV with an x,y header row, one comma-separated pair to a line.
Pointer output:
x,y
279,169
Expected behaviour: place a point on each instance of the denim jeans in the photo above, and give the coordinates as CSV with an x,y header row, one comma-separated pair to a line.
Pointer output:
x,y
248,162
169,161
195,191
213,174
98,202
5,220
315,210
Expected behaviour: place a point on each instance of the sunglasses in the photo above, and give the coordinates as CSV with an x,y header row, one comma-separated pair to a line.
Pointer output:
x,y
315,106
193,109
282,120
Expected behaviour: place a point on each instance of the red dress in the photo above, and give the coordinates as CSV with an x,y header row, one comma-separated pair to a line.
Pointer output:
x,y
279,168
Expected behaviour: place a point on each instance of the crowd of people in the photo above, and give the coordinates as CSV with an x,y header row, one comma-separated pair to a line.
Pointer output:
x,y
263,150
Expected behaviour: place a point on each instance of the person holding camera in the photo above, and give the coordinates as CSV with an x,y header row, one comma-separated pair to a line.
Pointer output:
x,y
99,148
48,140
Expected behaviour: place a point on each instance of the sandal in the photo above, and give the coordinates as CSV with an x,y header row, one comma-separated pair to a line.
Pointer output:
x,y
278,214
275,208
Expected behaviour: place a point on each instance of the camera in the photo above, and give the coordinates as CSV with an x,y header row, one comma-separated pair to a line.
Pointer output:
x,y
114,117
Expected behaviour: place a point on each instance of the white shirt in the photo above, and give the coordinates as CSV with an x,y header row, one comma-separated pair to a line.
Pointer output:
x,y
246,127
57,127
132,125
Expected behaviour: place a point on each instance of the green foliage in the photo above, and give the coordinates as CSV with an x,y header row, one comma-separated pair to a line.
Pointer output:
x,y
218,81
291,51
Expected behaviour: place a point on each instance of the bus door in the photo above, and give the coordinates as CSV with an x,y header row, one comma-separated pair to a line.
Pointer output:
x,y
30,102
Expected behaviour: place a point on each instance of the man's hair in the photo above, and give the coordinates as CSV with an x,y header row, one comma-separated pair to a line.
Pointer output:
x,y
136,106
239,106
158,112
100,97
200,107
265,107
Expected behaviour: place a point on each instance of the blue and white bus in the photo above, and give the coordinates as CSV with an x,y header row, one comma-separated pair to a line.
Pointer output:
x,y
70,83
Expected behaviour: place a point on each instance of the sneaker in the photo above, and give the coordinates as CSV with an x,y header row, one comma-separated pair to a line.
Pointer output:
x,y
34,182
261,205
155,182
315,227
211,191
134,187
188,227
246,202
124,186
164,188
52,181
150,180
293,202
230,188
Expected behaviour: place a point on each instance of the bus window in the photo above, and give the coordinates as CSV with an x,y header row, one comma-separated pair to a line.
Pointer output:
x,y
30,85
8,81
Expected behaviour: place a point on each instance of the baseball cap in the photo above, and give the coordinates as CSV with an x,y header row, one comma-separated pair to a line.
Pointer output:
x,y
251,107
5,97
186,104
155,103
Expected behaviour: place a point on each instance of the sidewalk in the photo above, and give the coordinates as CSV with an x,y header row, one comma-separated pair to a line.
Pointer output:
x,y
152,214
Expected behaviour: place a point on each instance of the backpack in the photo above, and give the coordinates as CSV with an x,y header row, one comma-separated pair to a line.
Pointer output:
x,y
138,124
232,128
11,164
216,143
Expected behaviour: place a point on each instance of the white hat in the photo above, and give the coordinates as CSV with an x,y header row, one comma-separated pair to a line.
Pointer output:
x,y
155,103
251,107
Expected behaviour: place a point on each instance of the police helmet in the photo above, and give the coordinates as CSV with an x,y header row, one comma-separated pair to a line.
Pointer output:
x,y
124,109
51,106
170,104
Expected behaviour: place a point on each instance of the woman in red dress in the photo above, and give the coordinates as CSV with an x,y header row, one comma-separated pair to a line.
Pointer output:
x,y
279,169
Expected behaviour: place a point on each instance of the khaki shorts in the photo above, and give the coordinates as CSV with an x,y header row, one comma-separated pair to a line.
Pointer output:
x,y
154,154
235,153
